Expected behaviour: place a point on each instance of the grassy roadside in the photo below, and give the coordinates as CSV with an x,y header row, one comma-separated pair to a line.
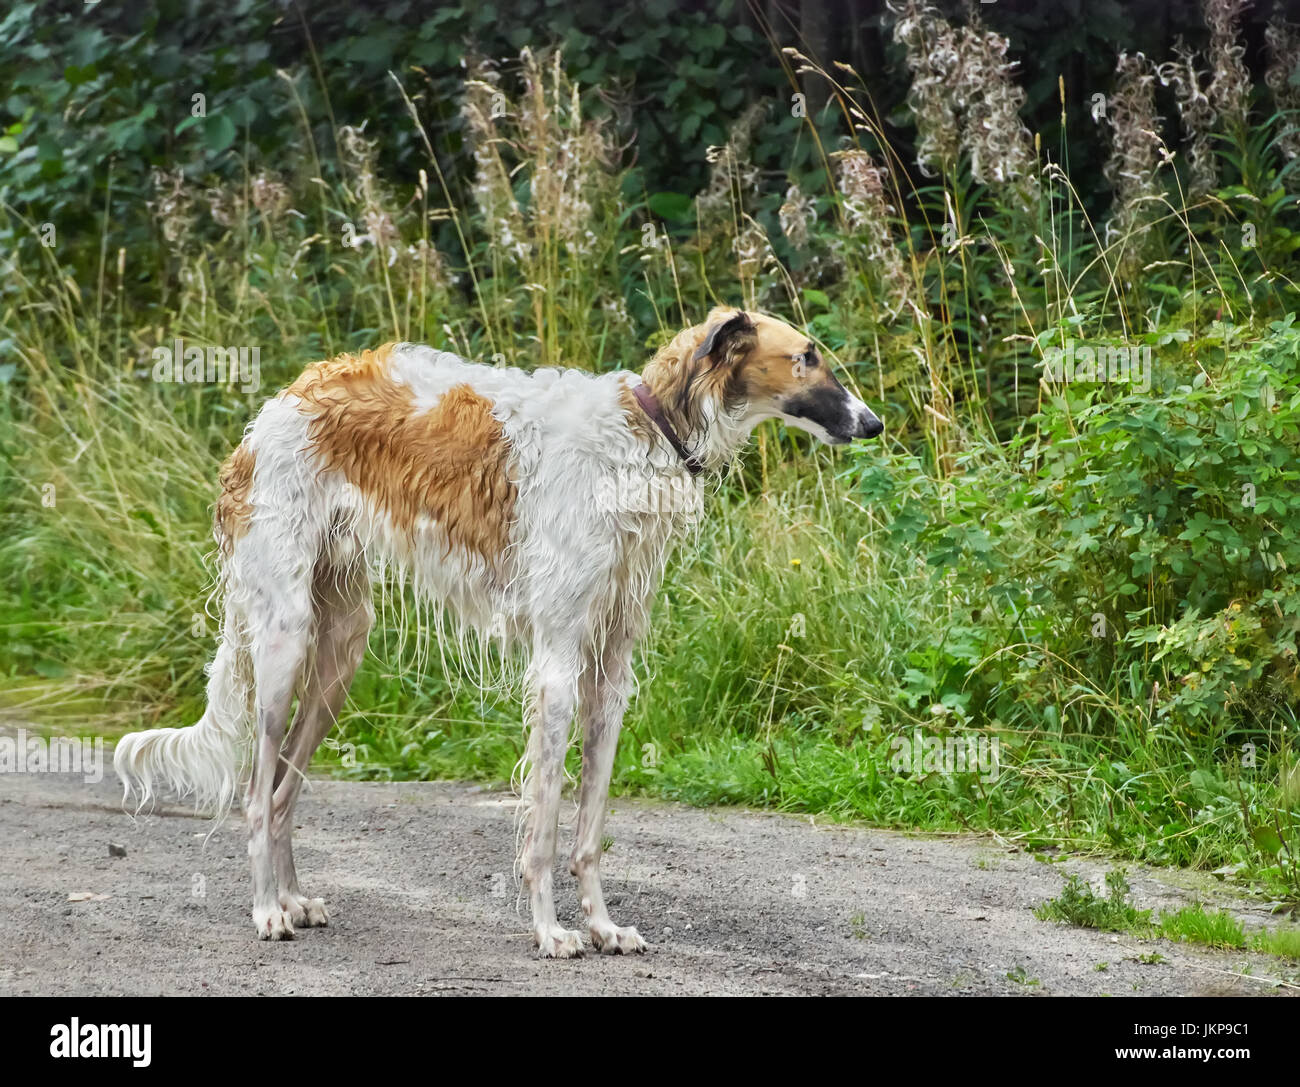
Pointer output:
x,y
1098,576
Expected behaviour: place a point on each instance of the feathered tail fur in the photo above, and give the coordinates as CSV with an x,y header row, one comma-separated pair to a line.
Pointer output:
x,y
206,760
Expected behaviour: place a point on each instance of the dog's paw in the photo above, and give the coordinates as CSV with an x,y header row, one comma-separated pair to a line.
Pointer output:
x,y
305,912
272,924
554,942
609,939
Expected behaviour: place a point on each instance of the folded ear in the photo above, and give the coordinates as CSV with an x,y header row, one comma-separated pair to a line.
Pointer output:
x,y
722,334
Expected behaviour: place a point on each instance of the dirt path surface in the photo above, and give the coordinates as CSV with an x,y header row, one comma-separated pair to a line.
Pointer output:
x,y
417,880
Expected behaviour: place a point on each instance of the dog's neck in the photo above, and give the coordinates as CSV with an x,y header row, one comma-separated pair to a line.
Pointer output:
x,y
711,434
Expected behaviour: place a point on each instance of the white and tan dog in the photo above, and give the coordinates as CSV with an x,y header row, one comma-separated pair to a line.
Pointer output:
x,y
534,507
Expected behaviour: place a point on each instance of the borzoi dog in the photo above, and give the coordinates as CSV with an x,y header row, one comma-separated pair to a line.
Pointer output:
x,y
537,508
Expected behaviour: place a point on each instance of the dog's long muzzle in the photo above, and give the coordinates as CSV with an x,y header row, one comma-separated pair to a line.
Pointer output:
x,y
867,423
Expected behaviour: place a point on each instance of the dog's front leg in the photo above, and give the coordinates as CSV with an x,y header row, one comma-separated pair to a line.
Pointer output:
x,y
553,696
604,691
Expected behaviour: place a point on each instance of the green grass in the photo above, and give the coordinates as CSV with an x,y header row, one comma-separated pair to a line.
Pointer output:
x,y
1114,911
1221,929
1282,942
1193,924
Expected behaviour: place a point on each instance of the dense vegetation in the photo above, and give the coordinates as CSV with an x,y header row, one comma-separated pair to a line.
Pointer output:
x,y
1099,574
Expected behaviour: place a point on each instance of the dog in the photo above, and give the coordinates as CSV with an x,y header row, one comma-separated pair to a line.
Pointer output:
x,y
537,508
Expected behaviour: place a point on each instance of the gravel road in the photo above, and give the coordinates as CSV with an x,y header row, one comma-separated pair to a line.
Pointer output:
x,y
417,880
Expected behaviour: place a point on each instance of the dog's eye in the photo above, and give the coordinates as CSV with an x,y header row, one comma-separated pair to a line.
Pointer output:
x,y
806,359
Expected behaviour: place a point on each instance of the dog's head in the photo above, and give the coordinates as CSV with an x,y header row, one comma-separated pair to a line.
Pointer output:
x,y
775,372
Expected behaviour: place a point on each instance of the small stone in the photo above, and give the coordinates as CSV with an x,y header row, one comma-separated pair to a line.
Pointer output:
x,y
115,850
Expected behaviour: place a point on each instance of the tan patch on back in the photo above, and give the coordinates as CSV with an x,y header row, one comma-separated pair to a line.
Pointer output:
x,y
234,509
450,463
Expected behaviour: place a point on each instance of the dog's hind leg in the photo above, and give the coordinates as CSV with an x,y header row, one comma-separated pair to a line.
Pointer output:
x,y
344,616
552,697
602,697
280,633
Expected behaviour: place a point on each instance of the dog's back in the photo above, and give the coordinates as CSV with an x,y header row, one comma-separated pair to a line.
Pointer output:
x,y
516,505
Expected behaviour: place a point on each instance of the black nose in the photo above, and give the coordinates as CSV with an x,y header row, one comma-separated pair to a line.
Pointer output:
x,y
869,426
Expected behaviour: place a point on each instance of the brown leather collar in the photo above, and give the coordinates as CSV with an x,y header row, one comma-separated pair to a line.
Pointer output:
x,y
650,405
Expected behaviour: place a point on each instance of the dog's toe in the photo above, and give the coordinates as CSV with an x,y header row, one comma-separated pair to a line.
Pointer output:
x,y
558,943
305,912
273,924
609,939
317,915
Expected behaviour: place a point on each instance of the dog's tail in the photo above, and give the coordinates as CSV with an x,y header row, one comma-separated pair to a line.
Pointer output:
x,y
205,760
